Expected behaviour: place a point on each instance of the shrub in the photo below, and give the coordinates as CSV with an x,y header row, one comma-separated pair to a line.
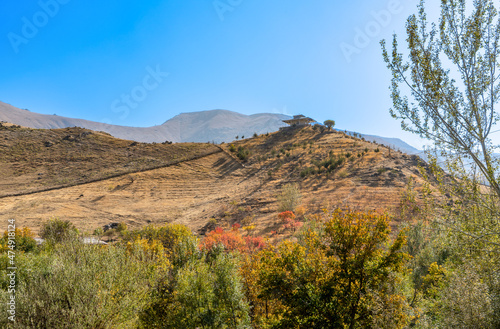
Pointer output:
x,y
308,171
23,240
121,228
289,220
232,148
330,164
289,198
99,232
243,153
207,292
57,231
79,286
343,174
231,240
169,235
286,214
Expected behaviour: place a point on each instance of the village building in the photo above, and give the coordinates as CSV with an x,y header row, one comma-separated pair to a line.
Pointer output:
x,y
299,120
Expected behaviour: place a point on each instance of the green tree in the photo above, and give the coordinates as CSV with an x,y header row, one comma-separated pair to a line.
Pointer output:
x,y
446,92
329,123
452,78
204,292
23,240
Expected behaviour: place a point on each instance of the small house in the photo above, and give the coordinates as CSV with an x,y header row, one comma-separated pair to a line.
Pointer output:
x,y
299,120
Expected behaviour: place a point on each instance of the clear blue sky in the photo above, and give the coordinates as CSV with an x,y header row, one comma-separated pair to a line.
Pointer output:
x,y
139,63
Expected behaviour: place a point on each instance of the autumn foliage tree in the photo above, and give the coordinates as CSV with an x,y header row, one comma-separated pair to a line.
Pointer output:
x,y
344,277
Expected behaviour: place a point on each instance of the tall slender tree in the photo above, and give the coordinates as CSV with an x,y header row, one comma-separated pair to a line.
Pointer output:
x,y
452,81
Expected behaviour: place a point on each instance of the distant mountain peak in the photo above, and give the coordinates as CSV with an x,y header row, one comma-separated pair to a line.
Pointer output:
x,y
218,125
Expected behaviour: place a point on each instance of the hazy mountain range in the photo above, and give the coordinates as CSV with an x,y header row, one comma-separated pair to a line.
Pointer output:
x,y
205,126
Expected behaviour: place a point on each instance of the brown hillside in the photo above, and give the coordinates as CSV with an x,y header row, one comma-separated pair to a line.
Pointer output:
x,y
217,189
38,159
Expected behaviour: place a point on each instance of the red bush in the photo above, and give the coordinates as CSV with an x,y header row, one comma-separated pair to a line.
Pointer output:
x,y
232,240
288,220
286,215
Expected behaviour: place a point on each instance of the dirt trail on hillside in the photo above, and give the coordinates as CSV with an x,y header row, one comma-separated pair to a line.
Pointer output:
x,y
186,193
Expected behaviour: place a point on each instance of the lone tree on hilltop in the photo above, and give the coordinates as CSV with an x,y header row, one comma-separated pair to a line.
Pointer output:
x,y
329,123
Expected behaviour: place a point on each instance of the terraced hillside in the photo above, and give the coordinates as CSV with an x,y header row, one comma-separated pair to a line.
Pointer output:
x,y
238,185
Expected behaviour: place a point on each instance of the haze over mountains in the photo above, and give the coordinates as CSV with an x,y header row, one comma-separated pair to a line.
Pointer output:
x,y
204,126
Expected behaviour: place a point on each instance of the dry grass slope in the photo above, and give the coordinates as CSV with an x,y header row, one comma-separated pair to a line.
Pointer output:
x,y
217,189
39,159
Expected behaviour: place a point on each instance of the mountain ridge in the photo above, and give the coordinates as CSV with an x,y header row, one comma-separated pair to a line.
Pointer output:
x,y
216,126
203,126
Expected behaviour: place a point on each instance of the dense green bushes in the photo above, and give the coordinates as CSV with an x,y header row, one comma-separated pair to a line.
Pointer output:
x,y
343,270
204,292
156,277
79,286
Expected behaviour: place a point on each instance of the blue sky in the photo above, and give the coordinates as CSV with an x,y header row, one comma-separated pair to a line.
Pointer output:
x,y
139,63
